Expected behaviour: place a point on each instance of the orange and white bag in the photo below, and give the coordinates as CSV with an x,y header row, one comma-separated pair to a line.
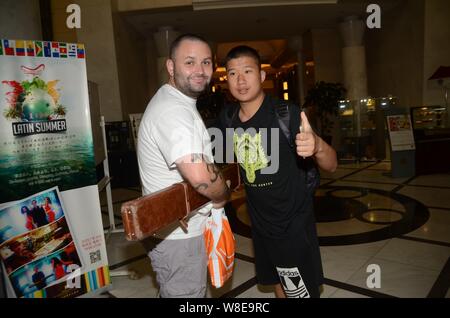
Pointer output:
x,y
220,247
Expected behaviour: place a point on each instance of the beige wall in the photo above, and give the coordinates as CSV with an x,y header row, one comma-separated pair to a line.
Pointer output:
x,y
437,46
117,56
119,59
326,48
25,11
131,50
152,71
59,17
395,54
97,34
412,44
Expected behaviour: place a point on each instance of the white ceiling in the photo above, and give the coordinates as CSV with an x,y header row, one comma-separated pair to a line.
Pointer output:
x,y
229,27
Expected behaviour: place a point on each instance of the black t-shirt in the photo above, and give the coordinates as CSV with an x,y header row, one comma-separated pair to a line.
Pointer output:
x,y
277,199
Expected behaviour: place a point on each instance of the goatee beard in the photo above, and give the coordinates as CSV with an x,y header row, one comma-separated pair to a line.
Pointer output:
x,y
186,90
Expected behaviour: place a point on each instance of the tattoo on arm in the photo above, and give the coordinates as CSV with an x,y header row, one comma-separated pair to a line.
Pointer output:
x,y
214,171
211,167
201,186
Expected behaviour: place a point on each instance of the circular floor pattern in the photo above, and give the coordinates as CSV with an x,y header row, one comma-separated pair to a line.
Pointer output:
x,y
340,203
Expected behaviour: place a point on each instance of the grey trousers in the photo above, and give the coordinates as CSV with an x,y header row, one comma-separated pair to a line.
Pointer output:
x,y
180,267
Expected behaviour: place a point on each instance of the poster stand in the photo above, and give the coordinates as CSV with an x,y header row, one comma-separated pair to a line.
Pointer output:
x,y
402,142
58,250
105,184
2,284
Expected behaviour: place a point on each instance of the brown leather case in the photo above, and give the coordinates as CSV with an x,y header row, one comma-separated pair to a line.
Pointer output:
x,y
146,215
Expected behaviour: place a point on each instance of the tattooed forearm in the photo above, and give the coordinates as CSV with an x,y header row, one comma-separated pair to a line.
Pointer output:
x,y
201,186
213,171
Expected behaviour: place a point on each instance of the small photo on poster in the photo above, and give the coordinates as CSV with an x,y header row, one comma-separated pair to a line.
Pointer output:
x,y
26,248
36,243
45,271
25,215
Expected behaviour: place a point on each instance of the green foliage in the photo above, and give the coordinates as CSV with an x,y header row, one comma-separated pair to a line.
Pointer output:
x,y
15,110
325,97
60,110
35,83
12,112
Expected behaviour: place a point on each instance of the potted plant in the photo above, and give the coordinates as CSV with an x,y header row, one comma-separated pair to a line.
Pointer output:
x,y
322,102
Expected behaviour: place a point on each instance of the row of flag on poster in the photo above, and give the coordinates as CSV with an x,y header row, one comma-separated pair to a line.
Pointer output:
x,y
41,49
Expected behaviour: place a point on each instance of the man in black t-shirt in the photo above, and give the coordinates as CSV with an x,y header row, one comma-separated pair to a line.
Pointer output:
x,y
287,253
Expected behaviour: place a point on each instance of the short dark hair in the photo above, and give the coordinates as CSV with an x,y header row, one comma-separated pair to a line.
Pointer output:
x,y
243,50
187,36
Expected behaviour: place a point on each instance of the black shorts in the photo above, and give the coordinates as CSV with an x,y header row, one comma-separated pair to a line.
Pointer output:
x,y
294,262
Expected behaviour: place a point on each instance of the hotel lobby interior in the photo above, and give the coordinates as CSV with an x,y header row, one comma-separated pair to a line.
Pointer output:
x,y
387,205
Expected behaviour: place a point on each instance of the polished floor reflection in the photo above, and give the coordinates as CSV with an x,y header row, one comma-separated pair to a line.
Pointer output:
x,y
364,218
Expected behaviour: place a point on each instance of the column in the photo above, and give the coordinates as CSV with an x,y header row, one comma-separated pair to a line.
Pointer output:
x,y
354,64
163,38
354,58
296,44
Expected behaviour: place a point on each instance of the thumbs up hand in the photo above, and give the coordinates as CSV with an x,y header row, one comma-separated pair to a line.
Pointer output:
x,y
306,140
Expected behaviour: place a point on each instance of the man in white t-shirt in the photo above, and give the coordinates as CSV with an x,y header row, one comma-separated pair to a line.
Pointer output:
x,y
174,145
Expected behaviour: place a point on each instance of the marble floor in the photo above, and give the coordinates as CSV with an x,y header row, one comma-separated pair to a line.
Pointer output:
x,y
367,222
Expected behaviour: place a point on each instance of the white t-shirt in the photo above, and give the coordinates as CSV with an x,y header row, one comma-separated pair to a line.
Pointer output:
x,y
171,128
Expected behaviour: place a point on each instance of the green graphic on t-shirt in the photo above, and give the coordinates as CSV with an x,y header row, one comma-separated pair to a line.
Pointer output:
x,y
250,154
